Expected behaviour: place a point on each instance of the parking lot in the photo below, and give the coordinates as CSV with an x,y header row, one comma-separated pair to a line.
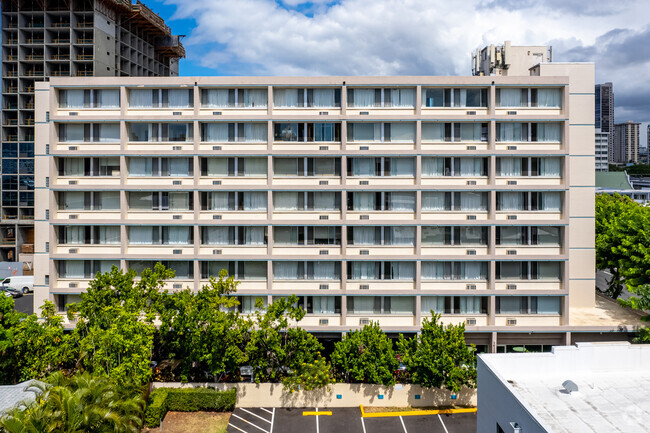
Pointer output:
x,y
343,420
24,304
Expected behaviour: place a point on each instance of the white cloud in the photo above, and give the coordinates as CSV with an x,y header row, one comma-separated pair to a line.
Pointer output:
x,y
412,37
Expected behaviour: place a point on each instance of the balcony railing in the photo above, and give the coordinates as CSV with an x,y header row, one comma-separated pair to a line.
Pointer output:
x,y
60,73
84,73
29,106
35,73
35,57
61,57
60,41
29,89
35,41
29,121
12,41
61,25
12,58
11,90
12,137
11,122
11,73
34,25
84,24
84,56
85,41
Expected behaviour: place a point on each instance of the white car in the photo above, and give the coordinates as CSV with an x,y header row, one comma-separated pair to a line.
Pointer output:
x,y
23,283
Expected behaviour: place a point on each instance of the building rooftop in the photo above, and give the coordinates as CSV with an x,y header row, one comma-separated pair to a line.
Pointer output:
x,y
613,382
13,395
612,180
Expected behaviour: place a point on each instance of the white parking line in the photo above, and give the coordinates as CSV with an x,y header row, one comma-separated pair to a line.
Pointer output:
x,y
234,426
317,427
443,424
266,410
363,424
403,426
254,414
248,422
272,419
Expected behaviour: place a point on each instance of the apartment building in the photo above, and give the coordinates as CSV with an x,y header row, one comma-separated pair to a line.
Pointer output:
x,y
371,198
602,150
604,112
55,38
626,142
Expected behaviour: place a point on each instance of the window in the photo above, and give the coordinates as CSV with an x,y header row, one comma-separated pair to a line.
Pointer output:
x,y
161,98
77,167
518,97
460,235
306,201
312,270
234,132
381,166
84,268
528,271
306,235
529,201
250,304
234,166
315,132
526,132
233,235
447,97
454,201
318,304
161,167
89,132
372,201
240,270
234,200
399,305
306,166
469,271
183,269
161,200
89,98
378,235
89,235
291,97
369,270
454,166
89,200
456,131
515,167
465,305
528,305
518,235
157,235
381,97
155,132
230,98
381,132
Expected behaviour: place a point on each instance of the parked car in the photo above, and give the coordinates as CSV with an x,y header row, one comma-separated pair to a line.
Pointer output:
x,y
23,283
8,291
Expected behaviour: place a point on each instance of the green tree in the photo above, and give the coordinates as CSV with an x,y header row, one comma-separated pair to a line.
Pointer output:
x,y
9,334
365,356
307,377
438,357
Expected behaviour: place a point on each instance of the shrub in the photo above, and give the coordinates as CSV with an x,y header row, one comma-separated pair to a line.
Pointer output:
x,y
187,400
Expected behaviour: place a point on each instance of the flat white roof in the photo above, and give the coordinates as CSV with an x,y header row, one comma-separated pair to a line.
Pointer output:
x,y
613,381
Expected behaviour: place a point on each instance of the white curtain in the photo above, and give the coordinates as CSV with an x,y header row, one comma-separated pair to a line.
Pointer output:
x,y
108,98
433,166
219,235
179,201
510,235
548,132
433,132
402,201
141,235
433,235
401,167
254,200
511,201
435,303
548,305
364,235
402,97
216,132
325,201
254,166
73,200
108,132
403,270
433,270
363,304
471,200
324,131
364,97
285,167
109,235
74,132
286,98
364,271
401,235
323,304
401,305
548,270
473,271
286,235
107,200
324,98
470,132
433,97
363,166
219,200
74,269
402,131
72,98
510,132
287,200
75,234
510,97
433,200
551,201
216,98
325,270
217,166
255,98
254,235
178,167
179,235
287,271
179,98
365,131
510,167
471,167
364,201
140,167
74,167
141,98
549,97
255,132
549,167
509,305
470,305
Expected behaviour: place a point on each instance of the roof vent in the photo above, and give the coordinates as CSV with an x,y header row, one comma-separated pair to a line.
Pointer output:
x,y
569,387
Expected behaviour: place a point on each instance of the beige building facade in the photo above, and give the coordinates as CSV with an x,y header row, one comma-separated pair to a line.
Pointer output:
x,y
371,198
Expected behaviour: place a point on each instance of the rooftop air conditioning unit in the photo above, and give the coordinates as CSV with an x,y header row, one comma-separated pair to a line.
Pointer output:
x,y
364,322
323,322
470,322
511,322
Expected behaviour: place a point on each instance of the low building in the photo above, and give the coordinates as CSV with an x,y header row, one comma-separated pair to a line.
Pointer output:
x,y
590,387
15,395
618,182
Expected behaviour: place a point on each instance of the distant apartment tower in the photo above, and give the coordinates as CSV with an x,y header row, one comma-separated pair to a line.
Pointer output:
x,y
602,150
626,142
605,114
509,60
51,38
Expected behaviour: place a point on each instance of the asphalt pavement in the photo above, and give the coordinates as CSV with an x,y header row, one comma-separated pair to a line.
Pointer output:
x,y
25,304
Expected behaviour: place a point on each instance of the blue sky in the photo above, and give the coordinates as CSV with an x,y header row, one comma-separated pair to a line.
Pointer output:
x,y
411,37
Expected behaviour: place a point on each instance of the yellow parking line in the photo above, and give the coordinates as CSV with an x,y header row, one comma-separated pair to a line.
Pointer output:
x,y
415,412
313,413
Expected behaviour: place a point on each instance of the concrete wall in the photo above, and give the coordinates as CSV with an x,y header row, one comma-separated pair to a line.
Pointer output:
x,y
351,395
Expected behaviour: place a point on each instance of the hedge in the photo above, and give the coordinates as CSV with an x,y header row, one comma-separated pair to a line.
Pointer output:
x,y
163,400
